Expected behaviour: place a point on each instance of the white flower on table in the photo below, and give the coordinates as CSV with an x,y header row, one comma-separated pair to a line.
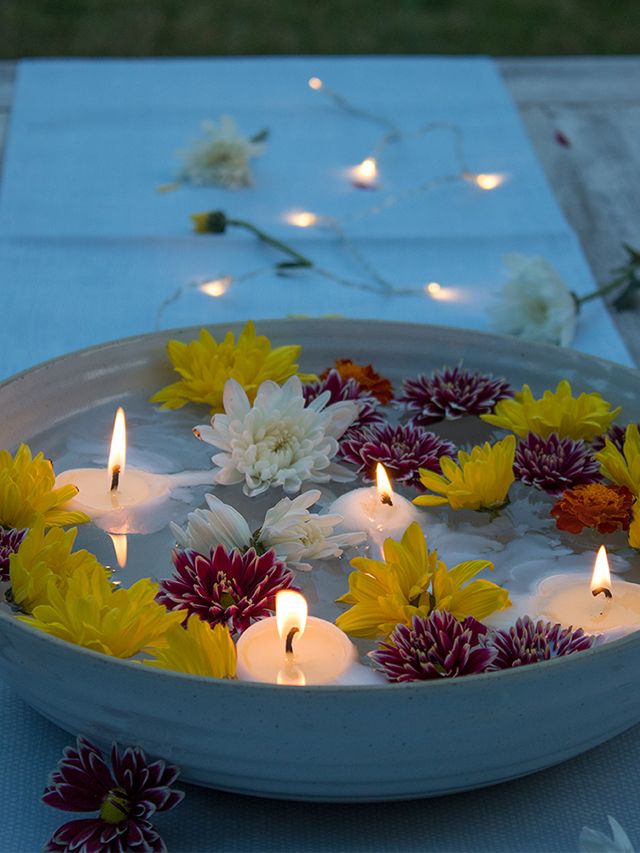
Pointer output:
x,y
535,302
592,841
294,533
279,441
221,156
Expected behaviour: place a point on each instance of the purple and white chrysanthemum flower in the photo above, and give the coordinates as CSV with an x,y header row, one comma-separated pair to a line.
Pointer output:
x,y
295,534
125,795
9,543
616,435
279,440
531,642
449,394
341,389
434,646
402,449
554,464
225,586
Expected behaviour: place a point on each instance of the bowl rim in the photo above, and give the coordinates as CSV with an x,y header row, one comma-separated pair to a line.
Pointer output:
x,y
611,647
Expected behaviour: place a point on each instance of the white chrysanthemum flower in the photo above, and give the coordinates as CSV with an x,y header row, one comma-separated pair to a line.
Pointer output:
x,y
535,303
294,533
297,535
592,841
221,524
279,441
221,156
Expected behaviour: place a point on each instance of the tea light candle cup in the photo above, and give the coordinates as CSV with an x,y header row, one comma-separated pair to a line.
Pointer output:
x,y
103,492
595,607
375,509
293,648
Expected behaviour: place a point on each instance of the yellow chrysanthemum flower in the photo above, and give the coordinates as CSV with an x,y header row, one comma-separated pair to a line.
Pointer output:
x,y
205,365
556,411
44,559
27,492
623,469
480,480
89,613
411,581
634,527
199,650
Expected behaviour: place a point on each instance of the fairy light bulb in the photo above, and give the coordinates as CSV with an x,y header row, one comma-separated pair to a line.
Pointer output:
x,y
216,287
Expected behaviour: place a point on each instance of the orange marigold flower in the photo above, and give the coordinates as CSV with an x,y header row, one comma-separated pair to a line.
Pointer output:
x,y
604,508
364,374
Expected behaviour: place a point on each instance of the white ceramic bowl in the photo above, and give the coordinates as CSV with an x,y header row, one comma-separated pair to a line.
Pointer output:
x,y
324,743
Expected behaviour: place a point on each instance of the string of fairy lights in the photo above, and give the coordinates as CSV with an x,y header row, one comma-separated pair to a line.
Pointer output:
x,y
363,176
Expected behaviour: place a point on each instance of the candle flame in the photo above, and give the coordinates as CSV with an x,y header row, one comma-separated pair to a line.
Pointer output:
x,y
365,173
601,579
120,546
291,612
384,485
118,452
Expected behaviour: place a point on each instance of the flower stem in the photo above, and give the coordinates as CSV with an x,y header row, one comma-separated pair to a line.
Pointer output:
x,y
601,291
627,278
300,260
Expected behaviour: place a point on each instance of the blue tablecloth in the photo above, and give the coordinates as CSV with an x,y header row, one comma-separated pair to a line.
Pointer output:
x,y
80,222
544,812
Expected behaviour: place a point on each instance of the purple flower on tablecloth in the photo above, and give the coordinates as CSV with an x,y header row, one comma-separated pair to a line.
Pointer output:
x,y
227,587
616,435
9,543
125,796
345,389
434,646
451,394
531,642
403,450
554,464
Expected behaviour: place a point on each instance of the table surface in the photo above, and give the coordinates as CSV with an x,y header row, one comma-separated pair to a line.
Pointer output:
x,y
590,100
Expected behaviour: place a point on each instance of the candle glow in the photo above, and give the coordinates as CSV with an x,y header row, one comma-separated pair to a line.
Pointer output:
x,y
383,484
291,613
118,450
601,578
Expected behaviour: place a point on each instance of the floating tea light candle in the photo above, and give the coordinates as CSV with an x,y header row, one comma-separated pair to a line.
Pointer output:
x,y
376,509
597,606
293,648
107,492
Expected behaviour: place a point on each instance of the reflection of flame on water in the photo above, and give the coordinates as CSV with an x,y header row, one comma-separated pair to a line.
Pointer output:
x,y
120,546
292,675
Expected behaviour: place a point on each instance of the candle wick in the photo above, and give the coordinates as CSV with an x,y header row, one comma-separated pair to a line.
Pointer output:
x,y
288,646
386,499
115,478
602,590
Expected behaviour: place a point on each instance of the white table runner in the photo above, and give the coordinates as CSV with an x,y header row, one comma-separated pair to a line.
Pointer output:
x,y
89,250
